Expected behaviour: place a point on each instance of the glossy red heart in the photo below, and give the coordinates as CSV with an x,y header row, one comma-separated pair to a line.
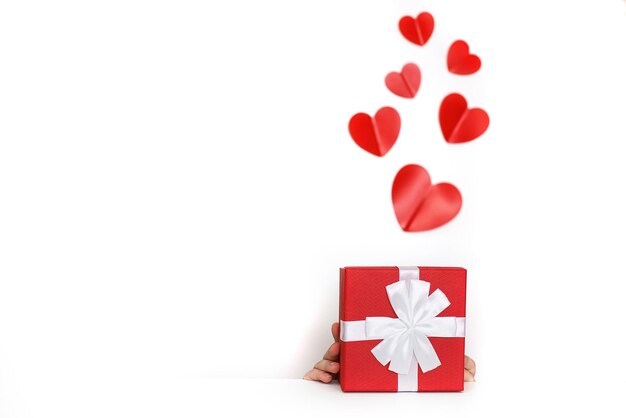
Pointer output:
x,y
418,29
420,205
406,83
460,61
377,134
460,124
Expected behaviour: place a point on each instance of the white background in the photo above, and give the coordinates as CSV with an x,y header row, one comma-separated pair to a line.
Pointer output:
x,y
178,190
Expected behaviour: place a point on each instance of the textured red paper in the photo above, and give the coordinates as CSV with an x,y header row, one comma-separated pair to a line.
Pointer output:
x,y
458,122
460,61
362,293
419,205
377,134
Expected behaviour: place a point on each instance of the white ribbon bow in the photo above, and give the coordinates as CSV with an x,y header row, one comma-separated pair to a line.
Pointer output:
x,y
407,335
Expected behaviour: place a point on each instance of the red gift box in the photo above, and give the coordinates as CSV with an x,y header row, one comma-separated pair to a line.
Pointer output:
x,y
402,328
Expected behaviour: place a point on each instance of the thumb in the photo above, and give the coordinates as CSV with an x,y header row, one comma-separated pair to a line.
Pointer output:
x,y
334,328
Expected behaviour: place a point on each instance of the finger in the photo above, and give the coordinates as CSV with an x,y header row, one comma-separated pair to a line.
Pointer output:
x,y
470,365
468,377
333,352
334,328
327,366
318,375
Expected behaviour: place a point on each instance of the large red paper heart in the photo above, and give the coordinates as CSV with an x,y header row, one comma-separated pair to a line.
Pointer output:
x,y
405,83
419,205
460,124
419,29
460,61
377,134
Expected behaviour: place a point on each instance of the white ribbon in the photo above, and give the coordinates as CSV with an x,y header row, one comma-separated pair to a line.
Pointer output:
x,y
405,342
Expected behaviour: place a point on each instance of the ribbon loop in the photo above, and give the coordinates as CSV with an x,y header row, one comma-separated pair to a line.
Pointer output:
x,y
424,352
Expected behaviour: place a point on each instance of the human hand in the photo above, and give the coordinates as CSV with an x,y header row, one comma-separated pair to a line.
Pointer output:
x,y
327,369
470,370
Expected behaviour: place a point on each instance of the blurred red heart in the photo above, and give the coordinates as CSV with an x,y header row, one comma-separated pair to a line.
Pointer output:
x,y
406,83
419,29
460,124
377,134
460,61
419,205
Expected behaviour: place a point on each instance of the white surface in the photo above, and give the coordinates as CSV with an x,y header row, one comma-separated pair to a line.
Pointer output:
x,y
230,397
178,190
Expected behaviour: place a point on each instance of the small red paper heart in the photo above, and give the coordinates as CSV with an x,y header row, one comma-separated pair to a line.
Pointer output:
x,y
460,124
460,61
405,83
419,29
419,205
377,134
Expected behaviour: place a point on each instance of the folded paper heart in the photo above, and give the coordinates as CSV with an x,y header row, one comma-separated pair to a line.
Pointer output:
x,y
406,83
419,205
458,122
377,134
419,29
460,61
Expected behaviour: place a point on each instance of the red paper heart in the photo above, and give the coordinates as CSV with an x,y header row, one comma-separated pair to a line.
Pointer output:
x,y
377,134
460,124
405,83
419,205
460,61
419,29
